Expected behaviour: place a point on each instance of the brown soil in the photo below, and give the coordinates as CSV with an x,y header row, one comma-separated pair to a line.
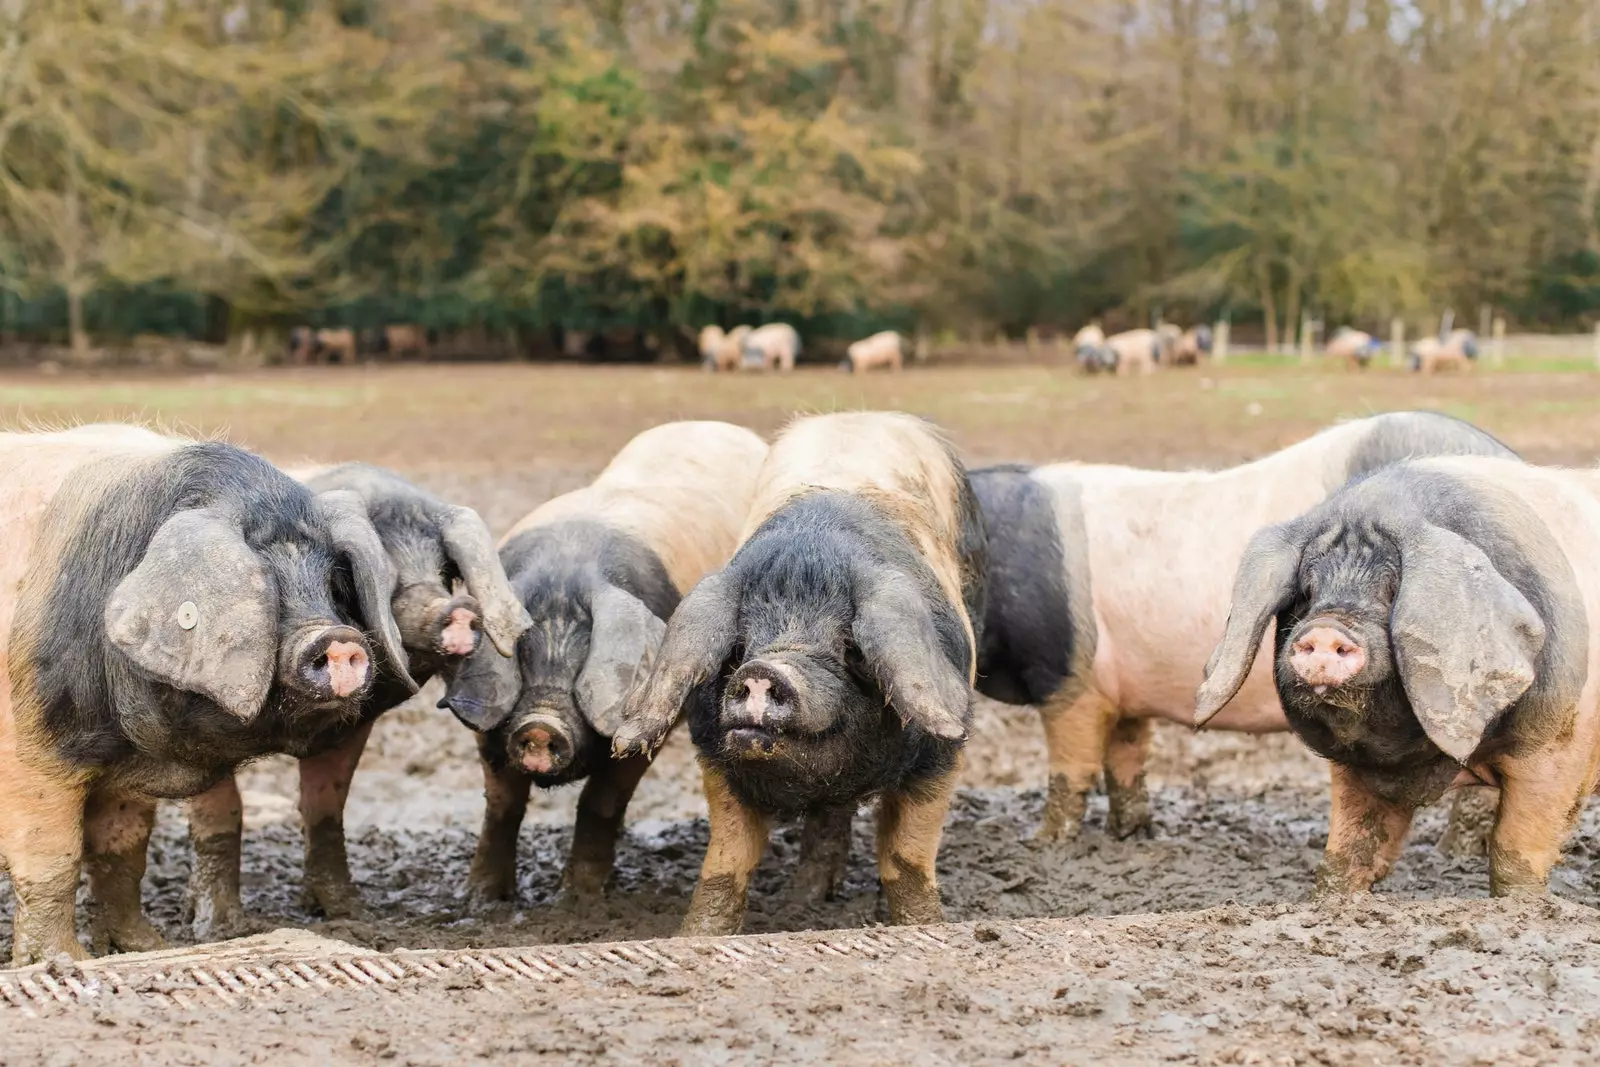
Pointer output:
x,y
1418,973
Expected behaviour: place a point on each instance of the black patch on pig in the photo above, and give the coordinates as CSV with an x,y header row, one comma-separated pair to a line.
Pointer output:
x,y
1025,652
1349,567
798,577
1404,435
99,710
554,570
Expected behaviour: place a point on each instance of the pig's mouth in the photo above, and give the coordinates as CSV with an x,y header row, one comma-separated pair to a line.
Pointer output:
x,y
752,743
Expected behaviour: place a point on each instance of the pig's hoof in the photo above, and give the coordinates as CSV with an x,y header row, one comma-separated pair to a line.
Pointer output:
x,y
213,921
1126,823
710,924
585,881
134,934
335,900
814,884
489,898
1049,835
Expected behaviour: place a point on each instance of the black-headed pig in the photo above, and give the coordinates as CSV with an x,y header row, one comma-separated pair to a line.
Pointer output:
x,y
600,569
1435,623
169,609
829,661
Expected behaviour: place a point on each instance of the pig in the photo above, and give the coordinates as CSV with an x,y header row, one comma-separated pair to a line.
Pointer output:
x,y
771,347
449,588
602,568
722,351
399,340
1355,347
1434,625
1108,586
169,609
1191,346
1089,348
885,350
829,661
337,345
1456,350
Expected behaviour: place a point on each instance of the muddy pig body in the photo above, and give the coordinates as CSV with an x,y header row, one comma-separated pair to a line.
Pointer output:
x,y
600,570
830,661
449,589
1109,586
170,609
1433,622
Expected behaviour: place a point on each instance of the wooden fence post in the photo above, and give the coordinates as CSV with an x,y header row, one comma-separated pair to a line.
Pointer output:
x,y
1597,345
1499,344
1219,342
1305,337
1397,342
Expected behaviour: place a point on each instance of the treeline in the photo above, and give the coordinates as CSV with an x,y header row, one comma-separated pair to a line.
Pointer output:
x,y
228,168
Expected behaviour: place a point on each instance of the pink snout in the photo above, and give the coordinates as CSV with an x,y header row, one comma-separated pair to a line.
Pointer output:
x,y
347,667
459,636
1326,656
541,747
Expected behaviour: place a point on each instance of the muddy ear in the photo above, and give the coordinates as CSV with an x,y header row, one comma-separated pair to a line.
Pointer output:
x,y
200,612
1465,639
484,690
699,638
344,514
894,630
1264,585
623,640
466,538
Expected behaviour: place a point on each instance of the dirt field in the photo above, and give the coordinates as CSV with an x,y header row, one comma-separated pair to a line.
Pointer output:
x,y
1425,972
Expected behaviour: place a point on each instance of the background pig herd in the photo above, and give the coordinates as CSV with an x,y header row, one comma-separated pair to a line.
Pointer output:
x,y
1400,591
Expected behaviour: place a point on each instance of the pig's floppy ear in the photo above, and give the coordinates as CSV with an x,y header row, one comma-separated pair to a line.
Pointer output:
x,y
1464,638
623,640
894,630
200,612
699,638
466,538
484,690
1264,585
344,514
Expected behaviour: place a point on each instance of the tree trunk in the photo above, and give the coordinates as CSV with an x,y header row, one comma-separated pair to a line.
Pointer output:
x,y
1269,307
76,329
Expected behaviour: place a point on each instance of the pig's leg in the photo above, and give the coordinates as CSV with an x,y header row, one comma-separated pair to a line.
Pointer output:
x,y
601,805
494,862
1126,753
909,829
738,837
41,839
324,789
216,825
1365,836
1472,814
116,838
1076,734
1541,799
824,855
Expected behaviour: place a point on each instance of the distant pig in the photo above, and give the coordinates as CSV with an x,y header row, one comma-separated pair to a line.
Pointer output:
x,y
885,350
447,587
829,661
168,610
1355,347
771,347
1456,350
1108,587
601,569
722,351
1435,624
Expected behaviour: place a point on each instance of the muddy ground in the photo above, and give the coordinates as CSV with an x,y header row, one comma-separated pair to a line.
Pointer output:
x,y
1239,821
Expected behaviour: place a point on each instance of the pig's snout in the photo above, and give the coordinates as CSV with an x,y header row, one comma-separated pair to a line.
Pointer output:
x,y
458,630
762,700
1326,655
330,663
541,746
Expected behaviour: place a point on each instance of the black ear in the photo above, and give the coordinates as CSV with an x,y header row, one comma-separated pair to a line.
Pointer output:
x,y
344,515
623,640
1264,586
1465,639
200,612
467,541
895,631
485,689
699,638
